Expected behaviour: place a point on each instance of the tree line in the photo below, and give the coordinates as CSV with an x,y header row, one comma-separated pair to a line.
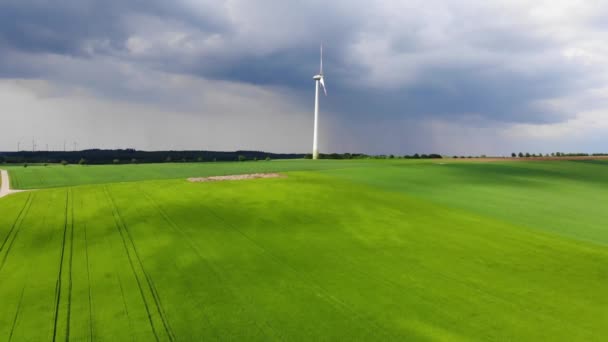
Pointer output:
x,y
132,156
378,156
556,154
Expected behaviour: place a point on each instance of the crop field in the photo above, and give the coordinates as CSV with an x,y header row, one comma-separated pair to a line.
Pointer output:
x,y
337,250
70,175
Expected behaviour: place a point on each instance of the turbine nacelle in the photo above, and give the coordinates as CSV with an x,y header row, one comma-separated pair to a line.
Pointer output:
x,y
317,77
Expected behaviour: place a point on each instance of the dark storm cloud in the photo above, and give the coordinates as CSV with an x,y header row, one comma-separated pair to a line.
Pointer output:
x,y
92,29
503,61
65,26
59,26
505,97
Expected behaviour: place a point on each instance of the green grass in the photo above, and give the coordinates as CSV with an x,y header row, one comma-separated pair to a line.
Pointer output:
x,y
39,177
378,250
563,197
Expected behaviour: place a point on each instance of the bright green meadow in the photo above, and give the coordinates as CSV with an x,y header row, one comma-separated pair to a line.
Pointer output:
x,y
373,250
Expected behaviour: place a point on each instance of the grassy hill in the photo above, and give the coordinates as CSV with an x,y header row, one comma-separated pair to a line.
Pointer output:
x,y
345,250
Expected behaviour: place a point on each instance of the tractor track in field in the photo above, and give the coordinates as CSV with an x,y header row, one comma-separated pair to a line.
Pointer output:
x,y
11,236
159,305
141,290
181,232
58,283
332,300
71,258
86,255
215,272
124,301
10,336
121,225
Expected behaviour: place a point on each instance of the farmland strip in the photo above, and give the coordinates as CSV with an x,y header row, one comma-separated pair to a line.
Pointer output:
x,y
16,220
86,254
332,300
188,239
159,304
151,286
10,337
118,223
124,301
67,332
58,283
15,228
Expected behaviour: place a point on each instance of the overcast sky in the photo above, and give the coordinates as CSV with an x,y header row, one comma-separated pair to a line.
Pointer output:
x,y
426,76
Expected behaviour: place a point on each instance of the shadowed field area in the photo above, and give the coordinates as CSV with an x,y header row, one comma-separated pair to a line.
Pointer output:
x,y
372,250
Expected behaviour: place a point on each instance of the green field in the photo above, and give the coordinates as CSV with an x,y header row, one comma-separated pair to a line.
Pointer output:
x,y
70,175
337,250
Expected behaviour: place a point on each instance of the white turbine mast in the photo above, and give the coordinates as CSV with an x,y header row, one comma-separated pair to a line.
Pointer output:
x,y
318,80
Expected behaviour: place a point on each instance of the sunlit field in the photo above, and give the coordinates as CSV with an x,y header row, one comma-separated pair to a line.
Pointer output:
x,y
337,250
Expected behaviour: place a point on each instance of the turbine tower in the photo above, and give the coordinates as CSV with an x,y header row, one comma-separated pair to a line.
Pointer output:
x,y
318,80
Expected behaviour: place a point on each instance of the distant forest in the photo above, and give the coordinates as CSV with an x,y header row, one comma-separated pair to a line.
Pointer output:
x,y
132,156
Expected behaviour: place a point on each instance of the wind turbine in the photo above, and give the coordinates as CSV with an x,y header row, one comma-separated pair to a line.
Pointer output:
x,y
318,80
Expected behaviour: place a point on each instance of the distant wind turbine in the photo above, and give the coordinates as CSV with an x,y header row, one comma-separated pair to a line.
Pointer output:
x,y
318,80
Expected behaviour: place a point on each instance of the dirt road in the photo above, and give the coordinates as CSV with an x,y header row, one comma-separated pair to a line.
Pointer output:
x,y
5,186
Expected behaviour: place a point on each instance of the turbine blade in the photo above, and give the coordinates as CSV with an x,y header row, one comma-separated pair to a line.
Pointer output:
x,y
323,85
